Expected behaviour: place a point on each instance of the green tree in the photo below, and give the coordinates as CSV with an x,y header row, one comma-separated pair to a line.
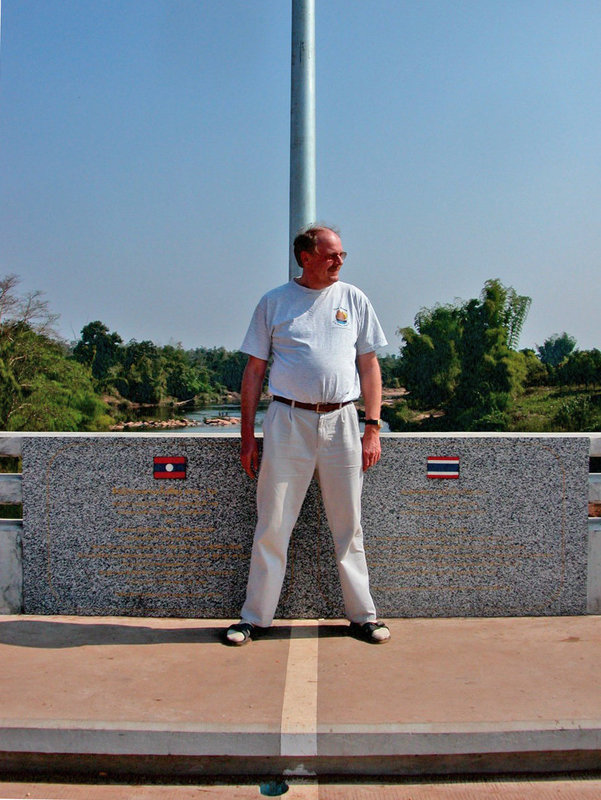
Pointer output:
x,y
232,369
41,387
491,372
390,367
56,392
225,367
556,349
460,358
143,378
430,362
99,349
582,368
537,373
515,311
185,380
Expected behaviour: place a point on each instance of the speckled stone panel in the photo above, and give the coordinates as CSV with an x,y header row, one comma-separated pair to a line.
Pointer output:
x,y
101,535
508,537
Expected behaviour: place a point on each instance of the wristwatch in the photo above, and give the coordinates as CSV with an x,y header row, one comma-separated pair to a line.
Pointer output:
x,y
375,422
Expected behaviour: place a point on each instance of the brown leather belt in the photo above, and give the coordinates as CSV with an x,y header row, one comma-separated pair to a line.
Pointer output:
x,y
320,408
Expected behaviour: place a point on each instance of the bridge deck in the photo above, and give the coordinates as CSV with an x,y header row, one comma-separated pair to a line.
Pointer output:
x,y
167,697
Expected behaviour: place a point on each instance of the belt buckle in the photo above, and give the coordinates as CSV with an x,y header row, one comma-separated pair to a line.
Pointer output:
x,y
318,409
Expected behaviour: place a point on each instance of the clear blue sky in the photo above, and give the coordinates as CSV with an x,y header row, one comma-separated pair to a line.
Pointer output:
x,y
144,157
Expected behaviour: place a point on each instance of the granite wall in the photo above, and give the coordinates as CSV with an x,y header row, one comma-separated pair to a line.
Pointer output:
x,y
162,526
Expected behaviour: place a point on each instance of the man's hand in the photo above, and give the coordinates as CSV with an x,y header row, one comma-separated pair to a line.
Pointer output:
x,y
371,389
249,456
372,449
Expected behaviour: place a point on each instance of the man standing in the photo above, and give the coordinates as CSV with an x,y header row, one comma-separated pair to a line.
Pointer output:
x,y
322,334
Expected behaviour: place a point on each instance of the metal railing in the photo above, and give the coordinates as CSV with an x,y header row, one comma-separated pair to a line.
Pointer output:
x,y
11,486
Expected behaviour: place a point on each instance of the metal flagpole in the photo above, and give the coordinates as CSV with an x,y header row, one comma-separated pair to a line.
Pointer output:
x,y
302,123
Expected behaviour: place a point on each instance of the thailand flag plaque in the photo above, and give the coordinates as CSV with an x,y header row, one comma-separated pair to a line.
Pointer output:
x,y
443,467
169,467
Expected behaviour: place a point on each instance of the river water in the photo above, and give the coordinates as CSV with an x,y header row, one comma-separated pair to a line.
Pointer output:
x,y
216,410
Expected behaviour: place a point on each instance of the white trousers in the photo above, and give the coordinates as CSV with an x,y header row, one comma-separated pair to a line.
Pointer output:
x,y
296,442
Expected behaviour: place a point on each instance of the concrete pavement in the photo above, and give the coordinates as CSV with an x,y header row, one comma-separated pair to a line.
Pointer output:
x,y
565,789
166,697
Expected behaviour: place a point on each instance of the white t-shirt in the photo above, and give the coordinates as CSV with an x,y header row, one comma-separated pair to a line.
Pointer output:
x,y
314,336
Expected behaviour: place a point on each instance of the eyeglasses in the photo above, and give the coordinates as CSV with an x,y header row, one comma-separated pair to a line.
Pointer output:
x,y
334,256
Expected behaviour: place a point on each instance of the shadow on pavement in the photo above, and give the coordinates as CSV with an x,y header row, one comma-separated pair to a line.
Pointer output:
x,y
55,635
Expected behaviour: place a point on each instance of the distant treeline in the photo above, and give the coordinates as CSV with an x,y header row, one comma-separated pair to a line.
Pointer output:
x,y
49,385
462,371
459,366
145,373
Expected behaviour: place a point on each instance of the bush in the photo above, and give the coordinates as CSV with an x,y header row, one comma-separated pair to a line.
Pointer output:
x,y
575,414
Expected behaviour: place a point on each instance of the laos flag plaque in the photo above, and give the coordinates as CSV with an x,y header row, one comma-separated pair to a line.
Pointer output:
x,y
170,467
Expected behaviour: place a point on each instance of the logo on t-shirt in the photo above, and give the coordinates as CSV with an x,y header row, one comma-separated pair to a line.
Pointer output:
x,y
341,317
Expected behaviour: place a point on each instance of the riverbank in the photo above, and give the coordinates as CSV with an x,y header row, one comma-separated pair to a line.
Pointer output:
x,y
220,415
176,424
146,416
155,424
